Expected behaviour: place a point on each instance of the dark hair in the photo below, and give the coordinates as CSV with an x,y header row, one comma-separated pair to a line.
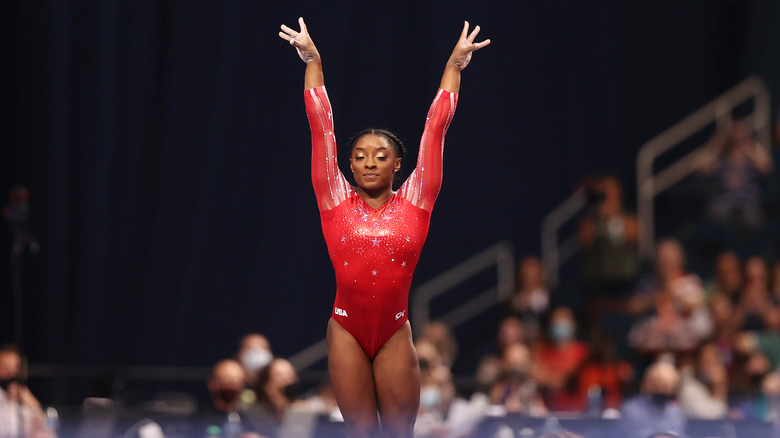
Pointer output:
x,y
394,141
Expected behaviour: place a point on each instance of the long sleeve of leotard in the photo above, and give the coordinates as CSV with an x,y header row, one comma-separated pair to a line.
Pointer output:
x,y
422,186
330,186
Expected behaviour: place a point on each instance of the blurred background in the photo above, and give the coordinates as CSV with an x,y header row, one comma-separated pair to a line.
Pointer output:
x,y
157,154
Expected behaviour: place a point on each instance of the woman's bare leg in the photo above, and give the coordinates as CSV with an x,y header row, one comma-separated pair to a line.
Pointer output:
x,y
353,382
397,379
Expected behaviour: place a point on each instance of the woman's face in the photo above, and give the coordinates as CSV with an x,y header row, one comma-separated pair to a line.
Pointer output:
x,y
374,162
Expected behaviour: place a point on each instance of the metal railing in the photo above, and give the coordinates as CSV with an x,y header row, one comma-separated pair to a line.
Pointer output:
x,y
554,255
500,256
650,184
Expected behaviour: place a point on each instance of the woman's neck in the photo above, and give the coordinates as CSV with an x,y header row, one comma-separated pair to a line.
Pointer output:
x,y
375,198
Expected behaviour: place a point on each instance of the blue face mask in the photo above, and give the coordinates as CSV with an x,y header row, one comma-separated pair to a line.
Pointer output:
x,y
562,331
430,397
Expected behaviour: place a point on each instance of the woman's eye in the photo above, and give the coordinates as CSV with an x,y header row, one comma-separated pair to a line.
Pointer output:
x,y
381,158
359,158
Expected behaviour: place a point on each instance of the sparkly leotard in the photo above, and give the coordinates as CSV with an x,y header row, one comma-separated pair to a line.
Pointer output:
x,y
374,251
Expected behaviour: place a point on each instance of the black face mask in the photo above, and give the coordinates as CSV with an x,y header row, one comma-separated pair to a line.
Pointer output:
x,y
228,395
660,399
5,383
290,391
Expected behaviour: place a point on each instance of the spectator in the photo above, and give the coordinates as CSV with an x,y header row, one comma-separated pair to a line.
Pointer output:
x,y
755,307
557,361
20,412
276,394
510,331
704,385
254,354
438,334
726,324
608,238
775,283
736,160
655,409
604,372
683,288
515,388
664,332
437,391
531,300
728,277
225,384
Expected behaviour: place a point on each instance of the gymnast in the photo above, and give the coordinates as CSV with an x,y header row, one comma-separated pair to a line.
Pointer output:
x,y
374,237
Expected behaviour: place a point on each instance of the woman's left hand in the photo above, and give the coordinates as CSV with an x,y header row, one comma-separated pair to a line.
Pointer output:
x,y
461,55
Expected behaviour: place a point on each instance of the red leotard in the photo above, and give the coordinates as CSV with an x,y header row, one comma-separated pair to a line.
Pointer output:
x,y
374,251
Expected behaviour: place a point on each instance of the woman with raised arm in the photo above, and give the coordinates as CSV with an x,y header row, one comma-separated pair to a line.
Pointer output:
x,y
374,237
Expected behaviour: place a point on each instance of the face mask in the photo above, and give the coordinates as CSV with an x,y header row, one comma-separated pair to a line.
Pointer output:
x,y
5,383
228,395
290,391
430,397
562,331
517,375
660,399
256,359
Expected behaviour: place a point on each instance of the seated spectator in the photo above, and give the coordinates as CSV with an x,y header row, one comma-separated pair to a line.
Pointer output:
x,y
655,409
20,412
225,384
557,361
437,391
727,280
726,325
704,385
775,283
515,389
276,393
604,372
737,160
683,288
510,331
254,354
531,300
755,308
438,334
608,238
768,405
665,332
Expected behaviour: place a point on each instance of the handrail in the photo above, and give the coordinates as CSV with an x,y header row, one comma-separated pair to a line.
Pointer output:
x,y
718,110
501,255
553,254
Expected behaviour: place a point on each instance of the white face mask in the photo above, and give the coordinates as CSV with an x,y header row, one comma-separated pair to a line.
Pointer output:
x,y
256,359
430,397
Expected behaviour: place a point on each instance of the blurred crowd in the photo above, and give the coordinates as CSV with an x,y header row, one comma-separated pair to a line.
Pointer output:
x,y
650,347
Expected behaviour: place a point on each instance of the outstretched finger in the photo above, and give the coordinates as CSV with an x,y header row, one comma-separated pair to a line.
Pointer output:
x,y
465,30
482,44
303,25
289,31
473,34
285,37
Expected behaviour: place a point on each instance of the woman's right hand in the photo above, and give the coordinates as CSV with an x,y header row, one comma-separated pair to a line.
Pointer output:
x,y
301,41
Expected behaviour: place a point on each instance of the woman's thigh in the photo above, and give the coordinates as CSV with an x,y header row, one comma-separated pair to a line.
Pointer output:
x,y
352,376
397,380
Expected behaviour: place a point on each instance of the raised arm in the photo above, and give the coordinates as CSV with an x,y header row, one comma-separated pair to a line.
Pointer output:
x,y
460,58
308,53
422,186
330,186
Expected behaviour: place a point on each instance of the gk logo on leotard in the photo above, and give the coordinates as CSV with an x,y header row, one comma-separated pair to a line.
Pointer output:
x,y
399,315
342,312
